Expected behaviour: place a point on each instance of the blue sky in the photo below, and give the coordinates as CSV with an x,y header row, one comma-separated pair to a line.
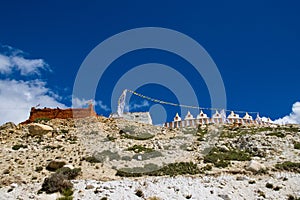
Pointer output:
x,y
255,46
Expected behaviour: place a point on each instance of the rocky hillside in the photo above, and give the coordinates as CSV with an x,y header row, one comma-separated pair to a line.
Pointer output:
x,y
94,158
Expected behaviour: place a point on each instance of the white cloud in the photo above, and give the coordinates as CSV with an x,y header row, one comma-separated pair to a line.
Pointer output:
x,y
293,117
102,106
28,66
17,97
80,103
5,65
131,106
13,59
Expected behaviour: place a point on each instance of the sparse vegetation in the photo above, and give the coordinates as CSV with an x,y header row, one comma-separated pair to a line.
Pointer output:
x,y
72,139
269,185
201,133
19,146
291,197
207,168
222,159
140,136
52,147
91,159
56,183
277,134
41,119
288,166
297,145
139,148
172,169
111,138
64,131
70,173
139,193
38,169
67,192
60,182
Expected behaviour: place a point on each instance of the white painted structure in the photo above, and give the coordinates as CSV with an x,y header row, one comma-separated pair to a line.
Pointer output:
x,y
217,118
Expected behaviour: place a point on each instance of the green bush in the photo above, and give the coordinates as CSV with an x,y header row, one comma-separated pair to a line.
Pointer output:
x,y
172,169
67,192
277,134
139,136
70,173
41,119
296,145
222,159
288,166
291,197
60,181
139,193
19,146
92,159
56,183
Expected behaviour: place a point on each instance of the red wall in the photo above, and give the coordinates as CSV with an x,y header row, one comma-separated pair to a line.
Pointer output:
x,y
51,113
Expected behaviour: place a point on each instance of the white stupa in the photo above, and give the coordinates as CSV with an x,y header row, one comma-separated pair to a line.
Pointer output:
x,y
216,115
177,118
202,115
247,117
232,115
189,116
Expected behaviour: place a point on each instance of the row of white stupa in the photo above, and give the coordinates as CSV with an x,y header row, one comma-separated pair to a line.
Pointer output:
x,y
202,118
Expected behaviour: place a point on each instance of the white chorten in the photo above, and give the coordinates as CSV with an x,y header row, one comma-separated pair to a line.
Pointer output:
x,y
232,115
188,116
258,118
216,115
202,115
177,118
247,116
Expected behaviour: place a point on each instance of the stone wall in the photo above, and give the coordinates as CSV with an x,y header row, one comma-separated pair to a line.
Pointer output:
x,y
53,113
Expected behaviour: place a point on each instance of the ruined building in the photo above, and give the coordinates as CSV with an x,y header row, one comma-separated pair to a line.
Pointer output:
x,y
52,113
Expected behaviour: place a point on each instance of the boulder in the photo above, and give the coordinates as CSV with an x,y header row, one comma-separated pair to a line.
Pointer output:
x,y
255,166
39,129
55,165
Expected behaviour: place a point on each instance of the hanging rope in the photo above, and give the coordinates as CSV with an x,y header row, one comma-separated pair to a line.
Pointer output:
x,y
175,104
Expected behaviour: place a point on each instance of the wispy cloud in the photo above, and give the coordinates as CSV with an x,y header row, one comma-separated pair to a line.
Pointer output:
x,y
80,103
293,117
17,97
134,106
13,60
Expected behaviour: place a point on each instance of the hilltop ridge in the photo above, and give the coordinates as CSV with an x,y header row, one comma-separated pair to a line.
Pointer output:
x,y
107,149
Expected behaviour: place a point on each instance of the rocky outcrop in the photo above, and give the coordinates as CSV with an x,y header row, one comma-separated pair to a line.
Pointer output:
x,y
255,166
39,129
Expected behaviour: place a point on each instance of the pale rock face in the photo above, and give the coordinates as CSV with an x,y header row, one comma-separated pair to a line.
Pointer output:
x,y
142,117
255,166
39,129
